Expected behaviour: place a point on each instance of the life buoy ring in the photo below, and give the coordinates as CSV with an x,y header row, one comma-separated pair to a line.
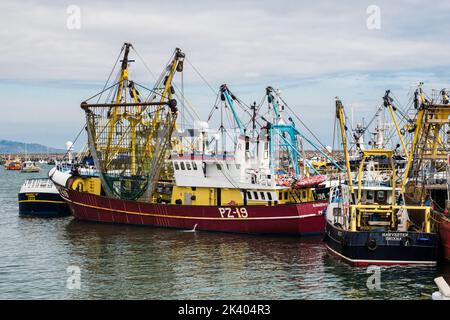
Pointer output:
x,y
372,244
232,203
406,241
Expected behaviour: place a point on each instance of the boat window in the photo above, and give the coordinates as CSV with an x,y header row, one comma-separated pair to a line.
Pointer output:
x,y
194,165
337,212
182,165
238,166
303,194
381,196
269,196
249,195
219,167
255,195
262,195
369,195
280,195
188,165
177,167
286,195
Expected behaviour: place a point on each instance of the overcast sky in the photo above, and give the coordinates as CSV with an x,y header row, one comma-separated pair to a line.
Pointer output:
x,y
311,50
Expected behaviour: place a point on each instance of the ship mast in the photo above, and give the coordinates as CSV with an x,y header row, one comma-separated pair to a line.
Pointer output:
x,y
343,128
123,78
227,96
129,137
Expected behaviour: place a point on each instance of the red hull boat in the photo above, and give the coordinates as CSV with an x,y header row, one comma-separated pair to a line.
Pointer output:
x,y
444,232
289,219
141,170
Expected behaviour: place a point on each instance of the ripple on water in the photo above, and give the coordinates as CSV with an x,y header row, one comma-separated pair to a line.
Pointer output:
x,y
122,262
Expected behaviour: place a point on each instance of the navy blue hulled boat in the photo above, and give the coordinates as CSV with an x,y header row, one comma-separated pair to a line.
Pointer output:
x,y
40,198
367,220
364,248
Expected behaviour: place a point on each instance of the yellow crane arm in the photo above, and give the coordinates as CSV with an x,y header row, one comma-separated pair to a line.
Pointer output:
x,y
341,118
175,64
123,78
417,130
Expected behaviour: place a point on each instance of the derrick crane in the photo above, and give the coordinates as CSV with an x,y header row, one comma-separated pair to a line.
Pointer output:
x,y
129,136
282,135
430,145
358,209
226,95
343,128
281,128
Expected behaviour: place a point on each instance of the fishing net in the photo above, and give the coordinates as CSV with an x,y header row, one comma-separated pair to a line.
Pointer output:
x,y
129,150
129,136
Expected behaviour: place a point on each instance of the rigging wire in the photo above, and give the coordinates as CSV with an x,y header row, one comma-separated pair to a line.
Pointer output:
x,y
76,138
301,122
182,101
201,76
145,64
215,107
112,70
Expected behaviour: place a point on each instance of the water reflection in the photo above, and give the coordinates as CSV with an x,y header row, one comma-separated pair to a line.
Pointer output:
x,y
137,262
174,264
127,262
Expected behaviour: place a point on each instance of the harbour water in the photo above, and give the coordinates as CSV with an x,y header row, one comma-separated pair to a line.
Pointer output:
x,y
123,262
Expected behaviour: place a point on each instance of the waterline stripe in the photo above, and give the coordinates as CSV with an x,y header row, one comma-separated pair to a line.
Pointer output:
x,y
432,263
188,217
47,201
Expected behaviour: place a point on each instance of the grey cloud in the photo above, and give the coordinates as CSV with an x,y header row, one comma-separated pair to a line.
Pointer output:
x,y
317,50
233,40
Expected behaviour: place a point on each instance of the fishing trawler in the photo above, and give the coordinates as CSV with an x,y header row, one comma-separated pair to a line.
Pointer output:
x,y
430,157
147,176
367,221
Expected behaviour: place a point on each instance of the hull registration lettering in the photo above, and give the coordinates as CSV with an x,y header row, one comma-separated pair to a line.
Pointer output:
x,y
227,212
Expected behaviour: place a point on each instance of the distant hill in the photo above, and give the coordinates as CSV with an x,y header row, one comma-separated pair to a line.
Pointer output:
x,y
7,146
